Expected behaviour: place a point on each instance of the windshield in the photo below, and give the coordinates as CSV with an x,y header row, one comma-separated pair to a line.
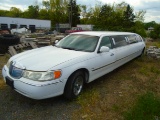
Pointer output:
x,y
79,42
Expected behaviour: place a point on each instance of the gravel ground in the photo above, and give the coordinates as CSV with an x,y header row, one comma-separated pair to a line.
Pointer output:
x,y
14,106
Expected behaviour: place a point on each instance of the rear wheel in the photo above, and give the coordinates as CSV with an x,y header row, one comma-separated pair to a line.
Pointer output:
x,y
74,85
143,52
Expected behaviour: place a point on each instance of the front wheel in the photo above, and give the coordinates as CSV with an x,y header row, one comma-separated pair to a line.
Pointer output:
x,y
74,85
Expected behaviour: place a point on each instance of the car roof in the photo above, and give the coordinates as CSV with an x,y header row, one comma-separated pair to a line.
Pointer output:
x,y
100,33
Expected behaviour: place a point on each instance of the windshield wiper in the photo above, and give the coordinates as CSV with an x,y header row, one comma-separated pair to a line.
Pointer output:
x,y
68,48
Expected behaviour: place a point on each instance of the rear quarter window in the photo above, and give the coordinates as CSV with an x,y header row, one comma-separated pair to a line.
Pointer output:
x,y
119,41
132,39
139,38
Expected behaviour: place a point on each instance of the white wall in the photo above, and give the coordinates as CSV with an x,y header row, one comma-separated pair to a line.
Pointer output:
x,y
22,21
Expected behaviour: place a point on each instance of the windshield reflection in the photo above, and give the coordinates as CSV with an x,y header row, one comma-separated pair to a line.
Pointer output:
x,y
79,42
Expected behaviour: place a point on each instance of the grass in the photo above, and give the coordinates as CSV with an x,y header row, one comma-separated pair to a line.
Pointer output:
x,y
154,43
89,107
131,92
146,108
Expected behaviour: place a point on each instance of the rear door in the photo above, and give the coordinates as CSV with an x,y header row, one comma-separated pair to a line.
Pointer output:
x,y
122,50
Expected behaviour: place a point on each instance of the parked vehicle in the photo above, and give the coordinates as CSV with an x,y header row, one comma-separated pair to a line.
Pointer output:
x,y
86,27
5,31
76,59
74,29
19,30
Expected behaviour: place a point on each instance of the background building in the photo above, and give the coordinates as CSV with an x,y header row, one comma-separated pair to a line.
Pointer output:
x,y
32,24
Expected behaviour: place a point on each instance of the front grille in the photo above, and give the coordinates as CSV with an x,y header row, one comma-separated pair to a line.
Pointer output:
x,y
15,72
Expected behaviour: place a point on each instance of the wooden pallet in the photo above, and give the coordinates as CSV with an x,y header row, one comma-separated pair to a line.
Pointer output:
x,y
13,50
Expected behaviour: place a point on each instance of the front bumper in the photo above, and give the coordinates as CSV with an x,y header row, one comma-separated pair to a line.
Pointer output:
x,y
35,89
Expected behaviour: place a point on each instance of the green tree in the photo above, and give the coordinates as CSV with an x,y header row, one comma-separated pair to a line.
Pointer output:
x,y
14,12
44,14
109,18
121,7
139,16
4,13
74,13
155,34
105,17
83,10
150,24
93,14
58,11
46,4
32,12
129,18
139,28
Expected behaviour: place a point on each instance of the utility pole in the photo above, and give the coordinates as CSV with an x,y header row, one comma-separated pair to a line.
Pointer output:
x,y
70,12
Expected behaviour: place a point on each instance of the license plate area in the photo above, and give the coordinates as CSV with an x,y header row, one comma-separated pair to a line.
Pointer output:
x,y
10,82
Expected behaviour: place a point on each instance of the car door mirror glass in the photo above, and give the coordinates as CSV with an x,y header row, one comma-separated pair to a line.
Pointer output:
x,y
104,49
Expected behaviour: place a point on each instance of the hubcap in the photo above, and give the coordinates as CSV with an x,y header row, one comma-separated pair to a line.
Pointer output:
x,y
78,84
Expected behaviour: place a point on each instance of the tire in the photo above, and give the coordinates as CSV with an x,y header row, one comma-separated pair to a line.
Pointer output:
x,y
3,49
143,52
74,85
9,39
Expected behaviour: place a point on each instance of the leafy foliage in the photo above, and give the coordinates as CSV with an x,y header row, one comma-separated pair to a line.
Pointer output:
x,y
106,17
14,12
46,4
139,28
155,33
139,16
58,12
146,108
32,12
74,15
150,24
129,17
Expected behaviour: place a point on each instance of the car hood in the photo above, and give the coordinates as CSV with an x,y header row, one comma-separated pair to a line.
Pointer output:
x,y
42,59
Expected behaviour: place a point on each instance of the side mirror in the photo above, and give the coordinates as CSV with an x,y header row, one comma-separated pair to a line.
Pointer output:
x,y
104,49
56,41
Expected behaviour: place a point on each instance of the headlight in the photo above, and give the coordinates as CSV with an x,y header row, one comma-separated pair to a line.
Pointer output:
x,y
42,76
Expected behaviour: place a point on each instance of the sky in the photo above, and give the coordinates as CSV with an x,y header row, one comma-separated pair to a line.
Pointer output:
x,y
152,7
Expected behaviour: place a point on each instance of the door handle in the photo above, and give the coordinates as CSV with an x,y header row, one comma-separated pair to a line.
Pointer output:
x,y
111,54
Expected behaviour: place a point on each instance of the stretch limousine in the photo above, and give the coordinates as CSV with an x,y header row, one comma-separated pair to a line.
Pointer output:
x,y
76,59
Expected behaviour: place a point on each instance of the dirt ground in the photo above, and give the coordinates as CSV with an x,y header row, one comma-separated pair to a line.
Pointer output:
x,y
14,106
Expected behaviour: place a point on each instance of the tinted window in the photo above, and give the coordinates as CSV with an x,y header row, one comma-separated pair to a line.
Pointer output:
x,y
13,26
132,38
4,26
105,42
139,39
119,41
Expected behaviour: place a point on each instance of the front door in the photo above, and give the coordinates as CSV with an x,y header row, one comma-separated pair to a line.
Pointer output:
x,y
103,62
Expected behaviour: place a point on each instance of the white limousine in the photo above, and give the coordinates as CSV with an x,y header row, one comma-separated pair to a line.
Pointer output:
x,y
76,59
